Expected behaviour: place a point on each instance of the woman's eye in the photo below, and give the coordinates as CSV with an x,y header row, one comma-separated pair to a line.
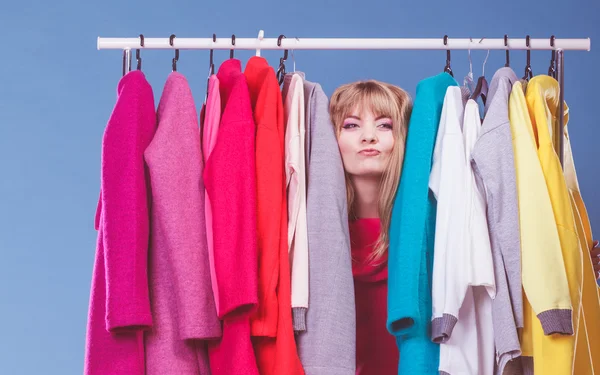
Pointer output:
x,y
386,126
349,126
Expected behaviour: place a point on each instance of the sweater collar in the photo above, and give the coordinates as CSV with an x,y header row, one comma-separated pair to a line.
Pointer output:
x,y
229,71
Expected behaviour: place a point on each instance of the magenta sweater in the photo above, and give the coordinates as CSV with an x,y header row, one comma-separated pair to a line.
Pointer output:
x,y
230,178
182,299
119,303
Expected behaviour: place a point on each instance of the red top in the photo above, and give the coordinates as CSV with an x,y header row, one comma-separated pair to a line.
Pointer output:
x,y
274,342
376,350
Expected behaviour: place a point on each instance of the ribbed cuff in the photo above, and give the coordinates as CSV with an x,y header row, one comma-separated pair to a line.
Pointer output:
x,y
513,367
441,328
299,318
527,363
556,321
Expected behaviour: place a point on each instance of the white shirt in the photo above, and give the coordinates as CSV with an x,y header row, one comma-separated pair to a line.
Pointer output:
x,y
463,273
295,170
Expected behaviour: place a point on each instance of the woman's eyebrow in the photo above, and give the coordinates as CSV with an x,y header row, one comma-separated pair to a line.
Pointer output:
x,y
382,117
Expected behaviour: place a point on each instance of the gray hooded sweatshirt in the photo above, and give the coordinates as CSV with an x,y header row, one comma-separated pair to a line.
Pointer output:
x,y
494,167
328,346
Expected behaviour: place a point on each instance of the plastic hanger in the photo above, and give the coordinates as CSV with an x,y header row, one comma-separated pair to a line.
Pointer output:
x,y
281,68
261,35
233,44
211,68
528,72
552,68
176,58
507,64
447,68
138,58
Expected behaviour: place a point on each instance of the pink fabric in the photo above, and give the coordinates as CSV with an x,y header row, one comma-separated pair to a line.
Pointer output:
x,y
181,295
119,301
230,178
212,116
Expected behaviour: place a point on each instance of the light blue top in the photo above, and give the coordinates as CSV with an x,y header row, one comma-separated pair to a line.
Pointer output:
x,y
412,231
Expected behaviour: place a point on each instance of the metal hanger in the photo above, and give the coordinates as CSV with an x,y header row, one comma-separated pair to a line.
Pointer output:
x,y
482,85
176,58
552,68
447,68
281,68
528,72
468,80
233,44
126,61
507,54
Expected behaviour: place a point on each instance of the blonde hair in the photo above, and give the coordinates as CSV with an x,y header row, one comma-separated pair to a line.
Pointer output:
x,y
382,99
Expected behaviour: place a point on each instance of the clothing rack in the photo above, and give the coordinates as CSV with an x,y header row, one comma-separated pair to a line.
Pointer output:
x,y
294,43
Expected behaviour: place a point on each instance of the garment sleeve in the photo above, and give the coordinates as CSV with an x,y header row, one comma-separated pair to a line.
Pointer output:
x,y
543,272
299,238
412,223
449,284
328,346
300,279
125,213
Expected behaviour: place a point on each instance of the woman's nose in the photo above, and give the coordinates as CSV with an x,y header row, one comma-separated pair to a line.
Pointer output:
x,y
369,137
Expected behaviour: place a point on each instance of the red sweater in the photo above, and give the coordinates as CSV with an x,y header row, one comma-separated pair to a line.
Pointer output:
x,y
276,350
230,179
376,350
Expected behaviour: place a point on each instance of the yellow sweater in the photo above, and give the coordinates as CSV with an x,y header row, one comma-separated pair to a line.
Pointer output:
x,y
554,354
588,335
547,291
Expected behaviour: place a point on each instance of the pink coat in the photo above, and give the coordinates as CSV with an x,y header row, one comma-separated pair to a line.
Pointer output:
x,y
212,117
230,178
180,288
119,302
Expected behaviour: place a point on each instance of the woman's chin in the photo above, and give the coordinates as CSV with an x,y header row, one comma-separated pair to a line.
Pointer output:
x,y
369,173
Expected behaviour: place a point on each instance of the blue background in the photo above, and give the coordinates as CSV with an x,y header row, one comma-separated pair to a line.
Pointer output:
x,y
57,92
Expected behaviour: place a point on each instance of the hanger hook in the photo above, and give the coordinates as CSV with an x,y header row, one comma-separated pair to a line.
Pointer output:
x,y
470,61
261,35
447,68
528,72
137,53
486,58
507,49
211,66
126,61
176,58
233,44
552,68
281,69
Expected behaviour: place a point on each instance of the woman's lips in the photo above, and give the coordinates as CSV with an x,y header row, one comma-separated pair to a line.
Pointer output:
x,y
369,152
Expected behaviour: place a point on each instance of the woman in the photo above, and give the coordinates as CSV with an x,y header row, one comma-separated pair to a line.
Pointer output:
x,y
371,119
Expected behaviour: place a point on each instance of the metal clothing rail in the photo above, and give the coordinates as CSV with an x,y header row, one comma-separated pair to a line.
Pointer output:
x,y
558,46
227,43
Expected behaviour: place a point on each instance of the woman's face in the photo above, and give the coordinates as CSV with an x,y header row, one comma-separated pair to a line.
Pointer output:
x,y
366,143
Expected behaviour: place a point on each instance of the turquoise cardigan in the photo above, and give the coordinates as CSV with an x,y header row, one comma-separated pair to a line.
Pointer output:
x,y
412,231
